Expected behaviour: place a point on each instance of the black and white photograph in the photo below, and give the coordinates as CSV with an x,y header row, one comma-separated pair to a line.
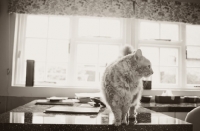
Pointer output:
x,y
100,65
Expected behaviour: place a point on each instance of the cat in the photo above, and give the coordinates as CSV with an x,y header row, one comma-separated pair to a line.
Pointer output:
x,y
126,50
122,85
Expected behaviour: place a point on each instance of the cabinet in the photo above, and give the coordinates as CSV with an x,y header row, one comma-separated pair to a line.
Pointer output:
x,y
178,115
181,115
172,114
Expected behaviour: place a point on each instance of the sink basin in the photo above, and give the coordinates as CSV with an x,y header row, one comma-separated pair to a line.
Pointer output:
x,y
168,99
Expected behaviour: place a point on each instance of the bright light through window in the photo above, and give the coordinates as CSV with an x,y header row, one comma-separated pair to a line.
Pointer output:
x,y
164,63
155,30
37,26
193,54
93,27
74,51
61,56
149,30
169,32
87,53
192,34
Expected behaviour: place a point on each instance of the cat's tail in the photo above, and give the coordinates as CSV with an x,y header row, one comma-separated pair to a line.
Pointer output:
x,y
126,50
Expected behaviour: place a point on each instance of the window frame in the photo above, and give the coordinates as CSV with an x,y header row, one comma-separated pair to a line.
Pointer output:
x,y
189,86
164,44
74,40
130,28
181,45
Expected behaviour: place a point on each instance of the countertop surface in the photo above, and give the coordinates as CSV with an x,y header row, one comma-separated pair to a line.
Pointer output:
x,y
32,117
182,107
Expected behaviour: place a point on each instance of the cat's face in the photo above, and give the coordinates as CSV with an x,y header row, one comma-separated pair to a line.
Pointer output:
x,y
144,68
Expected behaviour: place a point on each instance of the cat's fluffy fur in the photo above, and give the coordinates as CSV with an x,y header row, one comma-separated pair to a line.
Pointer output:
x,y
122,84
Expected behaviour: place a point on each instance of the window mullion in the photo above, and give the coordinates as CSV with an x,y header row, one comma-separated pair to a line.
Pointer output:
x,y
47,42
159,30
137,33
183,81
159,81
72,55
21,47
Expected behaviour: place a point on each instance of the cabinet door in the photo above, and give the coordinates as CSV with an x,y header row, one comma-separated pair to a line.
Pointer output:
x,y
3,104
181,115
172,114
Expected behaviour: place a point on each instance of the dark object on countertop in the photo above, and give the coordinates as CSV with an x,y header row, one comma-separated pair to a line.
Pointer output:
x,y
168,99
146,99
30,67
84,99
191,99
60,102
146,85
98,102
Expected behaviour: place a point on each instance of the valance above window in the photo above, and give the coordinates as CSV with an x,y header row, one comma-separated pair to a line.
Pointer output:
x,y
102,8
161,10
168,10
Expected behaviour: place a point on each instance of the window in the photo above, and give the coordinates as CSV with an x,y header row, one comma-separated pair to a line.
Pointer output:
x,y
174,52
193,55
68,51
160,42
158,31
74,51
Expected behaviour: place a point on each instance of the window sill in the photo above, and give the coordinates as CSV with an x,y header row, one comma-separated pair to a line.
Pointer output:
x,y
57,86
70,91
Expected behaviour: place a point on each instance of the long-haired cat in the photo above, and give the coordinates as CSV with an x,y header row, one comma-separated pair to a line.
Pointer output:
x,y
122,84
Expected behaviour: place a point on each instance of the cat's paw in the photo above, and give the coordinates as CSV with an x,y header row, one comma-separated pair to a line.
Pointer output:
x,y
117,123
134,115
124,122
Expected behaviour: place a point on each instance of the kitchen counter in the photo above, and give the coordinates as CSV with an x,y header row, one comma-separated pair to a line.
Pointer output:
x,y
32,117
182,107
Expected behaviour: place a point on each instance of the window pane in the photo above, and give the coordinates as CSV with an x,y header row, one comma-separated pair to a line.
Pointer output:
x,y
193,75
108,53
57,51
87,53
37,26
151,53
39,71
168,75
54,78
22,72
149,30
101,72
169,31
193,53
58,27
86,73
35,49
168,56
155,76
88,27
93,27
193,63
110,28
192,34
56,72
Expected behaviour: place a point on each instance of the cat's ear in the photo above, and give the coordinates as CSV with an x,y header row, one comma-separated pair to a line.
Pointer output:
x,y
138,54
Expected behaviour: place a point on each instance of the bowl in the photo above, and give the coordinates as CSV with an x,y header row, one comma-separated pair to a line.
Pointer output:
x,y
168,99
